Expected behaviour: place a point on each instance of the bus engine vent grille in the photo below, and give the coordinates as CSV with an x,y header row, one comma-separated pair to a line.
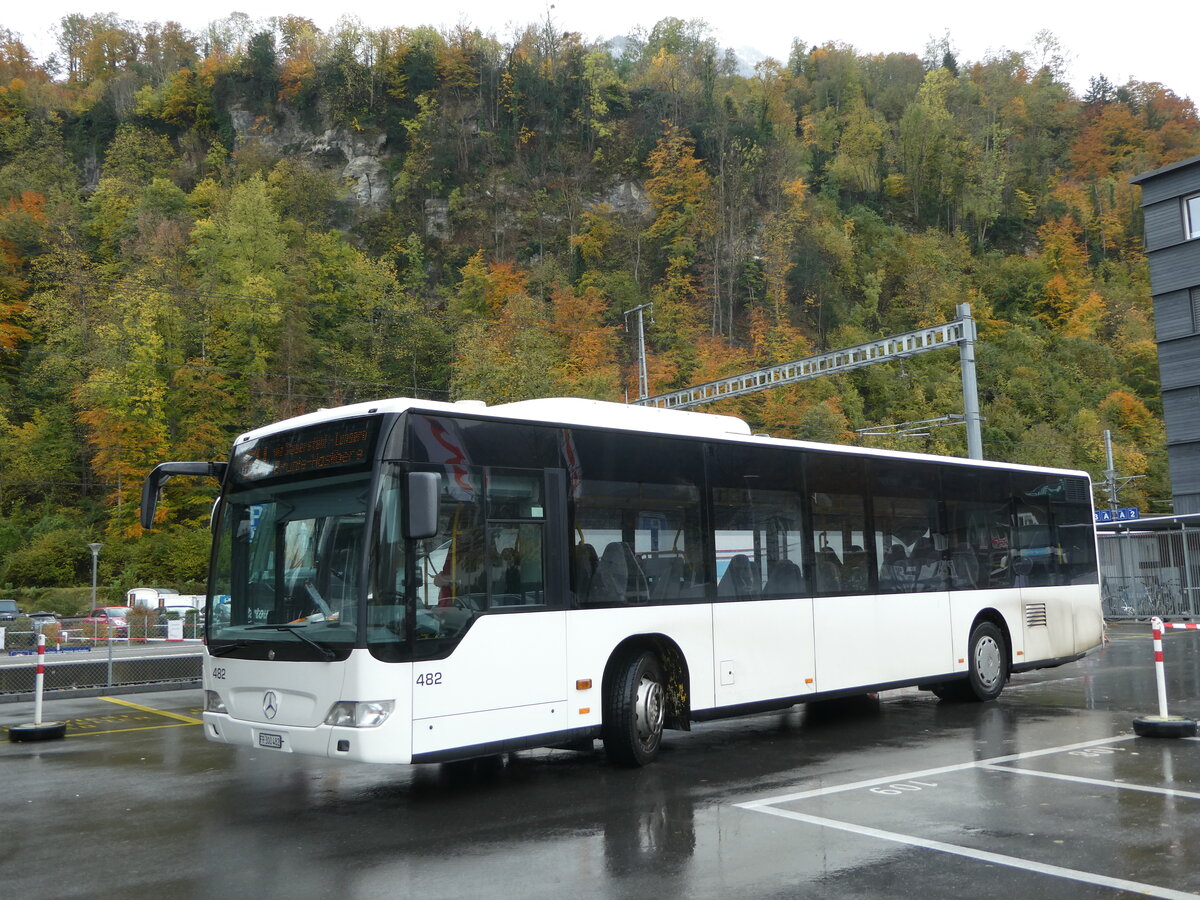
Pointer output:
x,y
1035,614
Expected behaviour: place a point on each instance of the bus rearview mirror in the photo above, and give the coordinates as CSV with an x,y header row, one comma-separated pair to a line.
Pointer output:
x,y
423,491
152,487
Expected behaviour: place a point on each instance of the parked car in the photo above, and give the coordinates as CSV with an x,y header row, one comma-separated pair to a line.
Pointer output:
x,y
104,617
40,620
9,610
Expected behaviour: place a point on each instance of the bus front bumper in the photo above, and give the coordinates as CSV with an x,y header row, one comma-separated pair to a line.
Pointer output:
x,y
383,744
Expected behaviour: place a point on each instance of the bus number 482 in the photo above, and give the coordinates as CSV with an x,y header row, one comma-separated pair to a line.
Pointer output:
x,y
429,679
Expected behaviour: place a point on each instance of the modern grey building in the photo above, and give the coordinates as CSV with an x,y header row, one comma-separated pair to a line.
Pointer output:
x,y
1171,207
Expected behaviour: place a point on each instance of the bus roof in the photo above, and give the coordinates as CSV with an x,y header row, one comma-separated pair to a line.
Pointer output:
x,y
615,416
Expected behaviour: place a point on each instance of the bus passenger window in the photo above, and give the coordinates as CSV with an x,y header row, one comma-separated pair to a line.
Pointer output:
x,y
758,524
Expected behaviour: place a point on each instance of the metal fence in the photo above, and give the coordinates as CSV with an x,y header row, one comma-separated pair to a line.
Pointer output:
x,y
1151,573
84,656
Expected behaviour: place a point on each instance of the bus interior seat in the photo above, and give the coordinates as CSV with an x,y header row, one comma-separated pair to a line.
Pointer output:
x,y
665,574
855,570
618,577
964,567
828,570
740,579
784,577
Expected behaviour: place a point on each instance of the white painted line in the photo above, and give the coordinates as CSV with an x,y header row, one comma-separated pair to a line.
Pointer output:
x,y
1123,785
926,773
1149,890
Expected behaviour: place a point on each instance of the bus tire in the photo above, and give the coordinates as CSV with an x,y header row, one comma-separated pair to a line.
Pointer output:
x,y
634,710
987,663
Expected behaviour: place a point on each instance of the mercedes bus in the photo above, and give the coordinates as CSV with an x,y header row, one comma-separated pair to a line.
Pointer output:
x,y
409,581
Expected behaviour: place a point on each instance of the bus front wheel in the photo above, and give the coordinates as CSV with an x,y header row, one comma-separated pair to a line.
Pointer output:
x,y
987,662
634,710
987,668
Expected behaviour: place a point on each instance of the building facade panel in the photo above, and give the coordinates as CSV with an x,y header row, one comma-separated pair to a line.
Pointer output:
x,y
1163,224
1181,412
1173,316
1179,364
1175,268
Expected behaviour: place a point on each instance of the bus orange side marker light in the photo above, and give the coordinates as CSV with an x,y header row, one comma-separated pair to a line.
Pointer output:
x,y
961,661
1020,653
584,710
583,684
808,681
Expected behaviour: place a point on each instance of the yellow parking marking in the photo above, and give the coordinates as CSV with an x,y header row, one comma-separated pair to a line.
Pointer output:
x,y
122,730
186,720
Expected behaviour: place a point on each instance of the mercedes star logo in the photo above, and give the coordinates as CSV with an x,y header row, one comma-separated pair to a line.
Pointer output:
x,y
270,704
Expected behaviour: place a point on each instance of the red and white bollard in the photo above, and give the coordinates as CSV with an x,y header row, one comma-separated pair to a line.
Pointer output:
x,y
37,730
1162,725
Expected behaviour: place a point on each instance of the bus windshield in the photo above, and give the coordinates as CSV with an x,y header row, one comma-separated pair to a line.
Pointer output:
x,y
289,559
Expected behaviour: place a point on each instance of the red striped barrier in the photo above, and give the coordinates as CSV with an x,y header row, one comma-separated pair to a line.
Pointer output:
x,y
1163,725
37,730
1182,626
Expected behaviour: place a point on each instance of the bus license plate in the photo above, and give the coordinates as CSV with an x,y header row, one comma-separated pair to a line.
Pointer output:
x,y
274,741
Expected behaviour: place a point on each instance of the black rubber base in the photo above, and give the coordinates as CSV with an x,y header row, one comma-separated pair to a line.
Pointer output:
x,y
1164,727
46,731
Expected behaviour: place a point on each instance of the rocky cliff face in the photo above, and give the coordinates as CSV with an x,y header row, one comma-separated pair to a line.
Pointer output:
x,y
357,156
360,159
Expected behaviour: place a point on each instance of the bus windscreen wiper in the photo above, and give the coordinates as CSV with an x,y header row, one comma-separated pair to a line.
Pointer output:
x,y
228,648
327,654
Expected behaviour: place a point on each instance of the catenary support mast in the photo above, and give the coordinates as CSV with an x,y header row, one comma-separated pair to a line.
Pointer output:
x,y
959,332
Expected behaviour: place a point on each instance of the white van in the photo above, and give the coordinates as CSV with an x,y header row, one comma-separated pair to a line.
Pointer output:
x,y
151,598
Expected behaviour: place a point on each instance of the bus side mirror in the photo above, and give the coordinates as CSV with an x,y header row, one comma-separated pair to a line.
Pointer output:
x,y
152,487
424,489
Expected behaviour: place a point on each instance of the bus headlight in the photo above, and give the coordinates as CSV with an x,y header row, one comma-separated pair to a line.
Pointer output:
x,y
360,714
214,703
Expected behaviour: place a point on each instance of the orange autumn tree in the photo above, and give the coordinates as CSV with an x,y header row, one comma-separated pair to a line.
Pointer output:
x,y
589,367
22,221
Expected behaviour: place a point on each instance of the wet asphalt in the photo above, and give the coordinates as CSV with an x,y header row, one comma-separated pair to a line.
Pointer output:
x,y
1044,793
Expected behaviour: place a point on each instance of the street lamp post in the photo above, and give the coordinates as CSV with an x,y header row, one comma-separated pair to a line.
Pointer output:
x,y
95,548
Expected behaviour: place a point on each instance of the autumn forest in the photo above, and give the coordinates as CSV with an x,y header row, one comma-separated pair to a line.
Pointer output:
x,y
204,232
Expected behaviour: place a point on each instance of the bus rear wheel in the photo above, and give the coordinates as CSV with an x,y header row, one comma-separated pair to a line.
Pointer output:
x,y
634,710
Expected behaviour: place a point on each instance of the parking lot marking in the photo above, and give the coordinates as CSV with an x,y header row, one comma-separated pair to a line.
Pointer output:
x,y
187,720
1123,785
123,730
770,807
927,773
1149,890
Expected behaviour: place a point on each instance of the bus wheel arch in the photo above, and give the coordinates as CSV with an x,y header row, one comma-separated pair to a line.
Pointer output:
x,y
645,690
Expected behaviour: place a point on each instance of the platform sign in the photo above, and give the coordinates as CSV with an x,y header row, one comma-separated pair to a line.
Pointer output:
x,y
1124,514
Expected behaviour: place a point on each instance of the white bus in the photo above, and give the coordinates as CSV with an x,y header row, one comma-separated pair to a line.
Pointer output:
x,y
409,581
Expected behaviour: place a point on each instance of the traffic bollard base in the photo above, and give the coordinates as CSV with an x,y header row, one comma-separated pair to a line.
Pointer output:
x,y
33,731
1164,727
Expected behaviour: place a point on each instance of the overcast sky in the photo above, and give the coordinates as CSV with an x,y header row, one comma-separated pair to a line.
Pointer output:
x,y
1119,40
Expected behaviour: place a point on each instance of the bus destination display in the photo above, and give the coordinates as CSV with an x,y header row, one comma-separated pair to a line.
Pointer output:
x,y
317,448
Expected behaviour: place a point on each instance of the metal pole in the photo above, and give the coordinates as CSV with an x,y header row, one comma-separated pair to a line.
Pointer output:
x,y
643,379
970,389
1187,572
95,548
1110,474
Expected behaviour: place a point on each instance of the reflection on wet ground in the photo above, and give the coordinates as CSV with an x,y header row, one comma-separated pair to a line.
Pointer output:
x,y
181,817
